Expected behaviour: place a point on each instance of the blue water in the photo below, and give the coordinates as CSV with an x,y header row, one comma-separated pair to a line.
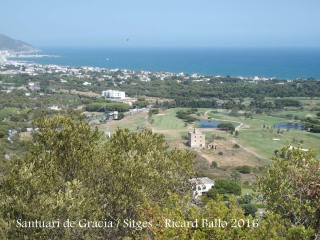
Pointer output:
x,y
280,63
212,124
289,125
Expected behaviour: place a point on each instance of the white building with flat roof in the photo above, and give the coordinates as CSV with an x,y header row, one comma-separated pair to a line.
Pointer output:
x,y
114,94
201,185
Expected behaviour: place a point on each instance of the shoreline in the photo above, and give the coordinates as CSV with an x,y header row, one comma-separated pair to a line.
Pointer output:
x,y
25,58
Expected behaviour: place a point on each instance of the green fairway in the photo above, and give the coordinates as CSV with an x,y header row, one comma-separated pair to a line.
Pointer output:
x,y
260,136
168,120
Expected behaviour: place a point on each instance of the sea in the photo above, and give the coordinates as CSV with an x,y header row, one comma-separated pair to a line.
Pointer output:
x,y
281,63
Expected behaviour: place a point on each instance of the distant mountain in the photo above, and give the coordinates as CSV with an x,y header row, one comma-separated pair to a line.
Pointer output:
x,y
7,43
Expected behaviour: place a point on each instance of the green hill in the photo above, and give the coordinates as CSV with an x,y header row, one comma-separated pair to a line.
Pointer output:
x,y
7,43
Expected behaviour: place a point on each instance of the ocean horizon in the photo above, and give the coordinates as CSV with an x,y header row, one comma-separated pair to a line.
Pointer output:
x,y
281,63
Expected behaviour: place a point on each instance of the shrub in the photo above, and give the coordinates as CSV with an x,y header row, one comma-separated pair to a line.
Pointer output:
x,y
235,176
236,145
249,209
2,134
214,164
246,199
244,169
227,126
224,187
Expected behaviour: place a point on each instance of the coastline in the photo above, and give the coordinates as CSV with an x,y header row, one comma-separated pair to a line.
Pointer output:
x,y
179,61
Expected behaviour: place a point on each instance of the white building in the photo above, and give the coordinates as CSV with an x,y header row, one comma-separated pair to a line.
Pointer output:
x,y
201,185
86,83
3,59
54,107
114,94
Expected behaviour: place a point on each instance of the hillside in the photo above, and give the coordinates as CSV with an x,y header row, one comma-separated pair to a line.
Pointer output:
x,y
7,43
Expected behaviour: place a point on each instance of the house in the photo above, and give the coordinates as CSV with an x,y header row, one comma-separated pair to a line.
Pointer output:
x,y
115,115
114,94
54,107
201,185
196,138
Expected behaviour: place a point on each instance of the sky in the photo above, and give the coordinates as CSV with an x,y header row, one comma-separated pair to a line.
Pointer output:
x,y
165,23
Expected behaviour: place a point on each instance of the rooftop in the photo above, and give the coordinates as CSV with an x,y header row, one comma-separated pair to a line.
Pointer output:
x,y
203,180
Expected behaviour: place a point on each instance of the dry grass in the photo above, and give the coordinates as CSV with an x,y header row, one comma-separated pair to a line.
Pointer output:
x,y
25,136
132,122
75,92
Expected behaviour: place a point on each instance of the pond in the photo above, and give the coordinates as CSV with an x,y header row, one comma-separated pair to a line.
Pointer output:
x,y
289,125
212,124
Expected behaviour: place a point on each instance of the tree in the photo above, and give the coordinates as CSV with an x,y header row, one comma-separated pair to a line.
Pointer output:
x,y
112,106
225,188
73,172
249,209
54,181
120,115
245,199
141,102
226,126
291,187
272,226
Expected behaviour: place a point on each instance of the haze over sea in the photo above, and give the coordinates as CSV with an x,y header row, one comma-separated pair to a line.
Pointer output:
x,y
278,62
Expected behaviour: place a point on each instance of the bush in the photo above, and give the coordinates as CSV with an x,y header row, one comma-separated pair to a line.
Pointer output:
x,y
236,145
224,187
214,164
153,111
244,169
112,106
226,126
120,115
246,199
249,209
235,176
2,134
220,153
246,183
